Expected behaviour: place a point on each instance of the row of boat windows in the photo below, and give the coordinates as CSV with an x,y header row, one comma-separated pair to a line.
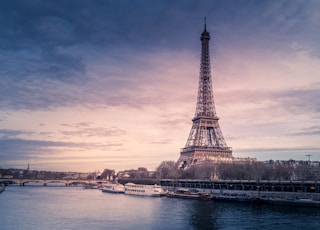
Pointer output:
x,y
134,190
135,186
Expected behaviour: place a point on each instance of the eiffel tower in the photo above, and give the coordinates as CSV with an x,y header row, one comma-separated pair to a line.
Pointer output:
x,y
205,140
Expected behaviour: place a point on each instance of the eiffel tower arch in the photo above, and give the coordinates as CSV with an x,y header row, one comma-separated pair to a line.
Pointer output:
x,y
205,140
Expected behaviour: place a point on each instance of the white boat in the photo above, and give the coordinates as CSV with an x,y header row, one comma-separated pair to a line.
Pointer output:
x,y
113,188
143,190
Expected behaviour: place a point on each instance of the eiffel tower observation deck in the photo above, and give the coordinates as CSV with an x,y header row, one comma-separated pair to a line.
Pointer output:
x,y
205,141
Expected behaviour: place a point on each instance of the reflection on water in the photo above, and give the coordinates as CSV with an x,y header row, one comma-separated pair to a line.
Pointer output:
x,y
202,215
37,207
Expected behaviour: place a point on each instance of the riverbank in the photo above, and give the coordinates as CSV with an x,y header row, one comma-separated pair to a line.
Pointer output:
x,y
259,197
273,198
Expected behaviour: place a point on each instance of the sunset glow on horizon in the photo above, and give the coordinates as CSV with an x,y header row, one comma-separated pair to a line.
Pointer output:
x,y
86,85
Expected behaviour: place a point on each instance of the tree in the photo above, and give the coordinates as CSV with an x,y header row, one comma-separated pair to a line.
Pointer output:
x,y
107,174
306,172
283,170
166,170
205,170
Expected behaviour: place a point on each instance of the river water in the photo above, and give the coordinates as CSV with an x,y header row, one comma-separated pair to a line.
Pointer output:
x,y
38,207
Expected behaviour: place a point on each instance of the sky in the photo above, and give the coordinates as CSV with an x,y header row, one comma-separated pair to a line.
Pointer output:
x,y
89,85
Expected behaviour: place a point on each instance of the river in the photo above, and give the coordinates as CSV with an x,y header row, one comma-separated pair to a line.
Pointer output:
x,y
42,208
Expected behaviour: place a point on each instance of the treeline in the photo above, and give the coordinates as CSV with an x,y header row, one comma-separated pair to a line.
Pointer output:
x,y
208,170
271,170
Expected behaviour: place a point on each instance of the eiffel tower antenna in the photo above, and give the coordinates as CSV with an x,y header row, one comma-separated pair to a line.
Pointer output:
x,y
205,139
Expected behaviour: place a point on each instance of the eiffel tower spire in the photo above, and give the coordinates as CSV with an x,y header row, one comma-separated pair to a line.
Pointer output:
x,y
205,103
205,140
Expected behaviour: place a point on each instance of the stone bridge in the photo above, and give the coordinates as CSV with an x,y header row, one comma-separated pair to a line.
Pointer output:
x,y
44,182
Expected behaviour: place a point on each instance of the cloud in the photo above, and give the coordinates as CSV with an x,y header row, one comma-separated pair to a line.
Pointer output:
x,y
293,100
136,87
77,125
31,46
24,149
66,64
50,61
162,142
309,131
21,95
84,129
10,133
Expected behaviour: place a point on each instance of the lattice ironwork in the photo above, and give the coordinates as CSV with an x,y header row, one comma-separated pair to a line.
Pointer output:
x,y
205,139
